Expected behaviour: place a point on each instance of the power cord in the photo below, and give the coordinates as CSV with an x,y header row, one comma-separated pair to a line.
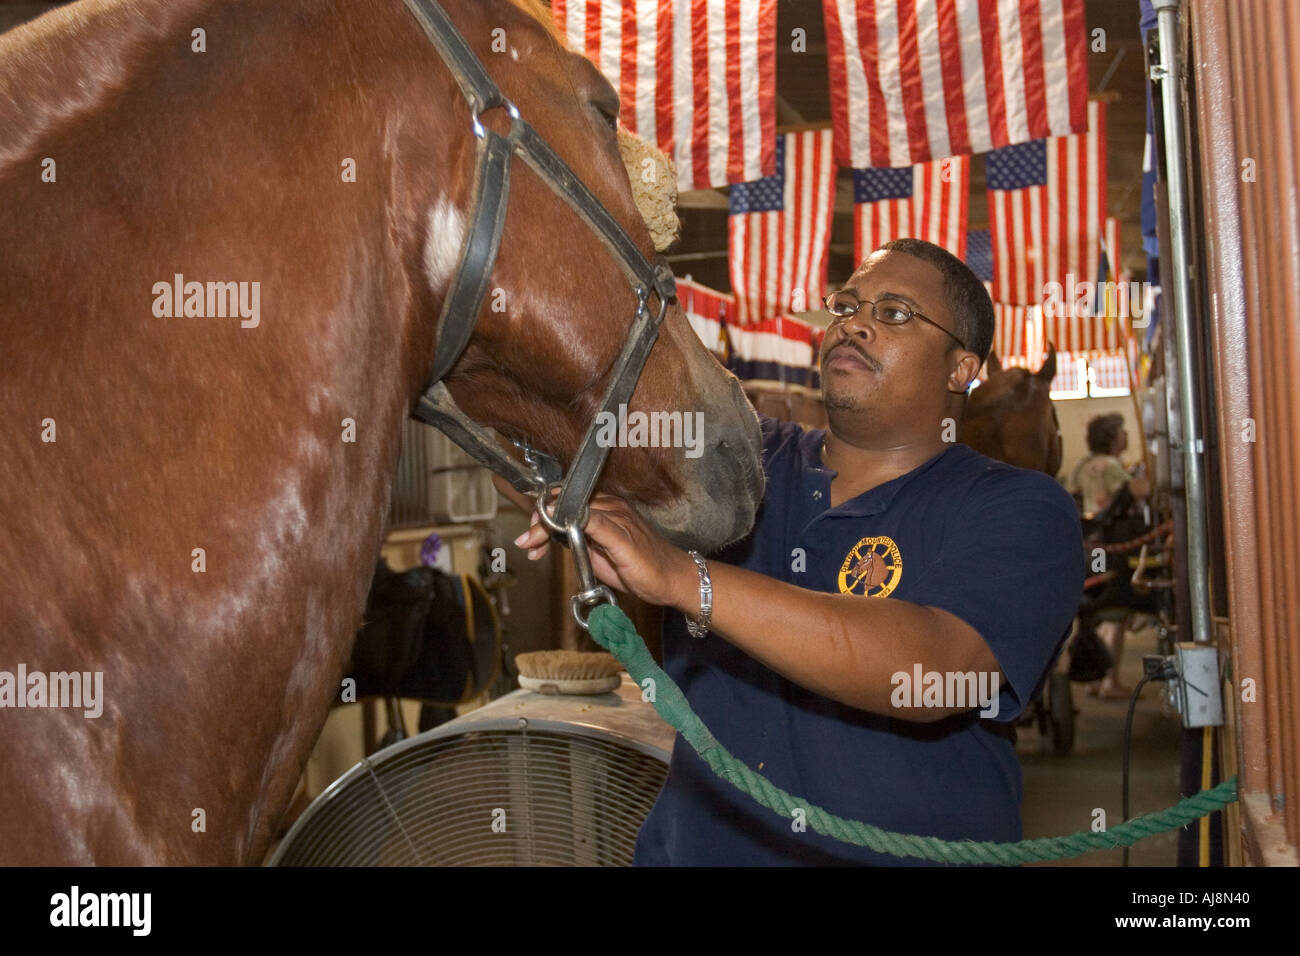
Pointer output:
x,y
1154,668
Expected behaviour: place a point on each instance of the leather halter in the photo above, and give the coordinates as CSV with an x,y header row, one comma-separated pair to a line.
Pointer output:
x,y
478,254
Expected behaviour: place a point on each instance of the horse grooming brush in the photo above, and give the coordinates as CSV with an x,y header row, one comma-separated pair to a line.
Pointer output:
x,y
568,672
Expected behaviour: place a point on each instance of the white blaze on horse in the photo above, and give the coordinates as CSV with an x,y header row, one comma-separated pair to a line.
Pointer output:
x,y
192,505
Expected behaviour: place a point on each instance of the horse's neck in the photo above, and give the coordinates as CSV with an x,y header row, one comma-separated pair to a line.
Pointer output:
x,y
66,63
270,448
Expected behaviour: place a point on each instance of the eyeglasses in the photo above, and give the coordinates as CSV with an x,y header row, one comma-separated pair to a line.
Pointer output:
x,y
846,303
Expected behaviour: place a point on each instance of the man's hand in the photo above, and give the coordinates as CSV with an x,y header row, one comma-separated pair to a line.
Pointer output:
x,y
842,646
627,554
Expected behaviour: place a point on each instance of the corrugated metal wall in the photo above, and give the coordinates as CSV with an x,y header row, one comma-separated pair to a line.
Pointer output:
x,y
1246,61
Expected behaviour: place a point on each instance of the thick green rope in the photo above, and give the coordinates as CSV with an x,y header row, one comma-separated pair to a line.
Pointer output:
x,y
612,629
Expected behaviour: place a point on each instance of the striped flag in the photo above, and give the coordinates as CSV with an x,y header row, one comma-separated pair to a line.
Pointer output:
x,y
695,77
782,348
926,201
915,80
779,349
778,233
1047,204
1111,269
1087,322
1018,333
708,311
1023,332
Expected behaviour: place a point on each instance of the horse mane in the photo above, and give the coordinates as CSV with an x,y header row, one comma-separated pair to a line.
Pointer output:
x,y
540,10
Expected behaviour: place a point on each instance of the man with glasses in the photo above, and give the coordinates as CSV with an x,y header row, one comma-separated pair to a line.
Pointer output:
x,y
869,645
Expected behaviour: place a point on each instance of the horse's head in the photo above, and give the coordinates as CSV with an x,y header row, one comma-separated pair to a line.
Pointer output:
x,y
559,307
1011,417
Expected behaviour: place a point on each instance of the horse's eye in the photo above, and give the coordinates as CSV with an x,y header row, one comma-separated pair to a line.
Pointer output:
x,y
609,116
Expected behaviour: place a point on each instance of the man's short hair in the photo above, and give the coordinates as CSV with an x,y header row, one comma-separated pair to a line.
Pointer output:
x,y
967,299
1102,432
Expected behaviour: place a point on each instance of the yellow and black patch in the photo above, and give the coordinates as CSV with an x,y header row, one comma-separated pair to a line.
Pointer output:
x,y
873,567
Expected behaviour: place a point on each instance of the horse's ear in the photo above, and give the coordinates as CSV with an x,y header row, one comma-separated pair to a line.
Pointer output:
x,y
1048,371
994,365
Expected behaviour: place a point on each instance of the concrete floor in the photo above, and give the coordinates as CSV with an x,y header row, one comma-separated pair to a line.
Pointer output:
x,y
1061,793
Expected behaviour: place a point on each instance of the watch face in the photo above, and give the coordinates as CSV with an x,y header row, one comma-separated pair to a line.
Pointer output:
x,y
873,567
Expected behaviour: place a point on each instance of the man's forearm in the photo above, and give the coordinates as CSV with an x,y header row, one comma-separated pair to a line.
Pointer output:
x,y
842,646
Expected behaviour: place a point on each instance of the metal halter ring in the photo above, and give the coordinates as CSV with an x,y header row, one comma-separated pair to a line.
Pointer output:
x,y
511,110
542,493
592,592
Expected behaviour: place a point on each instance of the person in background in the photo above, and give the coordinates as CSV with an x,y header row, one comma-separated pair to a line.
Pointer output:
x,y
1101,475
1098,478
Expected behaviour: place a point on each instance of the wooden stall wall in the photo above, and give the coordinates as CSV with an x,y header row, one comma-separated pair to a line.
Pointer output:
x,y
1245,55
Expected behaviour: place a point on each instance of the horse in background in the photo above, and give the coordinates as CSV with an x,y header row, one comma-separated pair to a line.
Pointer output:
x,y
1010,416
192,500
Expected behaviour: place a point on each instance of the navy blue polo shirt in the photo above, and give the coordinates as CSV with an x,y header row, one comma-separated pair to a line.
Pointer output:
x,y
997,546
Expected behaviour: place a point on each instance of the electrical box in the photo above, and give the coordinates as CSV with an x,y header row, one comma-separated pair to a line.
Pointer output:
x,y
1197,690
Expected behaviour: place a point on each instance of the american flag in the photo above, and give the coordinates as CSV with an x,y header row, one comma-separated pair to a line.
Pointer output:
x,y
695,77
1018,334
779,230
979,254
915,80
1088,321
1022,333
926,201
1047,204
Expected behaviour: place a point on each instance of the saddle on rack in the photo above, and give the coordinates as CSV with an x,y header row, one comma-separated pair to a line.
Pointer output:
x,y
427,636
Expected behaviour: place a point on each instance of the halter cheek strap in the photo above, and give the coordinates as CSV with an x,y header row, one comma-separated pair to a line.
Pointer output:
x,y
464,299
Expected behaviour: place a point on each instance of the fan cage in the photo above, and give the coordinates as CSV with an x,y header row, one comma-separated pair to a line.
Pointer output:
x,y
509,792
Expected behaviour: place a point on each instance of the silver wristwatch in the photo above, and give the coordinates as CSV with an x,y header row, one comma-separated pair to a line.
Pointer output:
x,y
701,628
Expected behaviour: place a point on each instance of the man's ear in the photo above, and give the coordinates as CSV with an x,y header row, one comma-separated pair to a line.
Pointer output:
x,y
964,371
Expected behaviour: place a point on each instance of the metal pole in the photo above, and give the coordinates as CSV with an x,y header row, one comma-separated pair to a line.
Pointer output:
x,y
1166,72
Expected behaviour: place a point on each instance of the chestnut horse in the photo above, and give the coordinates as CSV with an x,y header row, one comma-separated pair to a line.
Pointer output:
x,y
1011,417
193,499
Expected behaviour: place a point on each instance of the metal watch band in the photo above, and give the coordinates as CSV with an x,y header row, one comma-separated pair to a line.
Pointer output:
x,y
701,628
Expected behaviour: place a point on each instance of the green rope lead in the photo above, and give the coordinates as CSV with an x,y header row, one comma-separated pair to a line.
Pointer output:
x,y
612,629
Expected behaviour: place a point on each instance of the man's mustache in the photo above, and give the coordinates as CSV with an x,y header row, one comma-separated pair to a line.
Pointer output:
x,y
850,344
